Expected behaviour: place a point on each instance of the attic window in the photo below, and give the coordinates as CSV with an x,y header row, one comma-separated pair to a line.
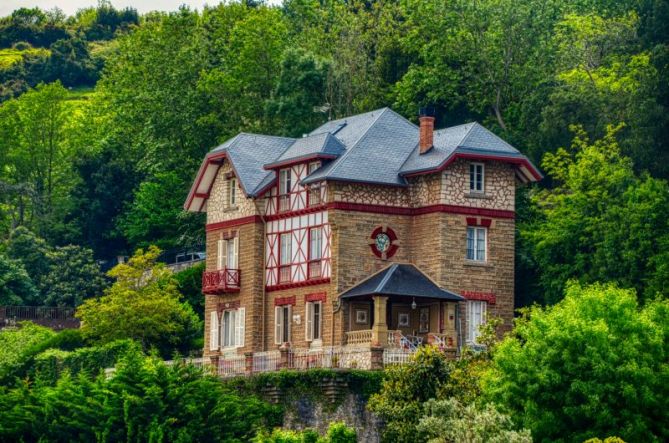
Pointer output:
x,y
232,192
476,177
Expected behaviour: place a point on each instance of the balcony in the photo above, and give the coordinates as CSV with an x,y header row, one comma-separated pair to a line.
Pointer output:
x,y
221,281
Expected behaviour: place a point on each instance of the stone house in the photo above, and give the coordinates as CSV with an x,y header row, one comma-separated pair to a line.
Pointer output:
x,y
368,231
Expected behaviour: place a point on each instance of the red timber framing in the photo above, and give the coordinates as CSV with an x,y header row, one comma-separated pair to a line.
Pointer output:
x,y
297,201
401,210
296,273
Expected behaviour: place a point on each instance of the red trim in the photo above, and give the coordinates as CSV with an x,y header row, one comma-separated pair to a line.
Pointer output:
x,y
289,214
472,221
234,222
486,222
283,301
299,284
489,297
397,210
513,160
318,296
292,162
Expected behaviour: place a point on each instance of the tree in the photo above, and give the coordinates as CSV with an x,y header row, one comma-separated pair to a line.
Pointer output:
x,y
405,388
594,364
143,304
16,287
73,277
190,286
23,245
447,421
337,433
600,222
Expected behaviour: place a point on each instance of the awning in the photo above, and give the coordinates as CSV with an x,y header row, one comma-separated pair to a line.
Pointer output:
x,y
400,280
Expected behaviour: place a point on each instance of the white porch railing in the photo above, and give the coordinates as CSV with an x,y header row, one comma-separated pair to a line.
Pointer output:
x,y
231,365
397,356
266,361
346,357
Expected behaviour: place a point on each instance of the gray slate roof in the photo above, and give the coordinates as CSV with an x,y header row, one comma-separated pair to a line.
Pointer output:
x,y
312,145
248,153
378,147
400,280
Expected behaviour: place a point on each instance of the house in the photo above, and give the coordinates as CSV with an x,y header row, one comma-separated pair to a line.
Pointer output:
x,y
367,232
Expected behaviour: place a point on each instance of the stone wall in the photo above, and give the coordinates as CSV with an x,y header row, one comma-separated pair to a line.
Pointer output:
x,y
499,186
218,208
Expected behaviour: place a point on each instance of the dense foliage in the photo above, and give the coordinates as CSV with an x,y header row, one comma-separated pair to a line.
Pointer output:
x,y
142,304
144,400
592,365
337,433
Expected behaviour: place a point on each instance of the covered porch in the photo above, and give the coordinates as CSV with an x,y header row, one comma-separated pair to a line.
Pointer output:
x,y
401,307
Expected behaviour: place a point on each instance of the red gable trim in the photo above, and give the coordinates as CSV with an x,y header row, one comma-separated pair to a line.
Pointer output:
x,y
295,161
489,297
318,296
536,175
235,222
283,301
398,210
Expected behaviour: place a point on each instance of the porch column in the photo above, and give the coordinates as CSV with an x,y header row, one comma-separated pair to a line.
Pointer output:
x,y
380,328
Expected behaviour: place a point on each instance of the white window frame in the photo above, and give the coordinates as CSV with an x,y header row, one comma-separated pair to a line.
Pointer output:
x,y
476,317
474,182
232,192
228,253
285,244
232,328
281,315
312,167
318,239
214,333
313,326
285,181
478,254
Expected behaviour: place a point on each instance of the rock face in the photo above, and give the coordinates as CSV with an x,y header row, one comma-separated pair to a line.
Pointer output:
x,y
351,408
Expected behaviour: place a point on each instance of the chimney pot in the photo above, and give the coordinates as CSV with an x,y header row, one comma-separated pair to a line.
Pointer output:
x,y
426,133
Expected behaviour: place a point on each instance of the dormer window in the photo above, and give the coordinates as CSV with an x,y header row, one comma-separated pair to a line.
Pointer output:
x,y
315,189
232,192
476,177
284,189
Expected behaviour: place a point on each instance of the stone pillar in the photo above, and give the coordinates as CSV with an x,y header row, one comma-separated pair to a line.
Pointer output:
x,y
380,328
214,358
284,350
248,363
376,358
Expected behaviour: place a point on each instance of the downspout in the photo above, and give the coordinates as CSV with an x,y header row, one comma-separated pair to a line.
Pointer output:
x,y
264,274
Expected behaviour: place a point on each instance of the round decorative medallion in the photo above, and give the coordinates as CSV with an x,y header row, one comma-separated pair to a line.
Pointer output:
x,y
384,242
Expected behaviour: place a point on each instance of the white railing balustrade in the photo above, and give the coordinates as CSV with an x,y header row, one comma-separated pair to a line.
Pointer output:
x,y
346,357
266,361
397,356
361,337
231,365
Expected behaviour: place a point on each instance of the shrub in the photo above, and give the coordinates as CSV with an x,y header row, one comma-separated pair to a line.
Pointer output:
x,y
337,433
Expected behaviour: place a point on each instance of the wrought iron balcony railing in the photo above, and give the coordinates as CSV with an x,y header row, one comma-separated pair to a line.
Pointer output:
x,y
221,281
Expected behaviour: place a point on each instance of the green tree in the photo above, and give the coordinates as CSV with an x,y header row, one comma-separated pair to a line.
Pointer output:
x,y
593,364
189,283
73,277
600,222
337,433
143,304
16,287
405,388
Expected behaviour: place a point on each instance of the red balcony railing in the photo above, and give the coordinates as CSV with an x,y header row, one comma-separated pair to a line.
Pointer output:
x,y
224,280
315,269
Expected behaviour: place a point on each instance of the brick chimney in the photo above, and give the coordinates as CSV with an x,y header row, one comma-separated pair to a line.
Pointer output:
x,y
426,118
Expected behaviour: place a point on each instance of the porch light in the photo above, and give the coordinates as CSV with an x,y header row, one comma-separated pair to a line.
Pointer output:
x,y
413,304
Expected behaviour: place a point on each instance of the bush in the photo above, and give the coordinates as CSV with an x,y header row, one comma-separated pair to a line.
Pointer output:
x,y
337,433
594,364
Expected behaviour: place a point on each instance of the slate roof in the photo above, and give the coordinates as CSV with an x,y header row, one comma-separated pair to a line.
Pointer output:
x,y
324,145
248,153
377,147
400,280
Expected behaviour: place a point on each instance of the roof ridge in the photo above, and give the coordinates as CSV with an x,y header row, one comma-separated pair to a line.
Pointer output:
x,y
469,131
348,151
456,126
391,270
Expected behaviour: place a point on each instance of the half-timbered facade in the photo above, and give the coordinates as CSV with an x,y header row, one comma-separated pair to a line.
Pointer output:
x,y
369,231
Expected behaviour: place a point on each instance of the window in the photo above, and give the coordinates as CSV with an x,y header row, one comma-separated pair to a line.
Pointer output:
x,y
313,323
284,189
229,331
232,194
476,315
282,317
476,244
476,177
285,257
314,190
315,251
228,253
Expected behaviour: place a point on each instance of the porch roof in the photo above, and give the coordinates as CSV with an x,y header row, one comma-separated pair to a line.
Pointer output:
x,y
400,280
